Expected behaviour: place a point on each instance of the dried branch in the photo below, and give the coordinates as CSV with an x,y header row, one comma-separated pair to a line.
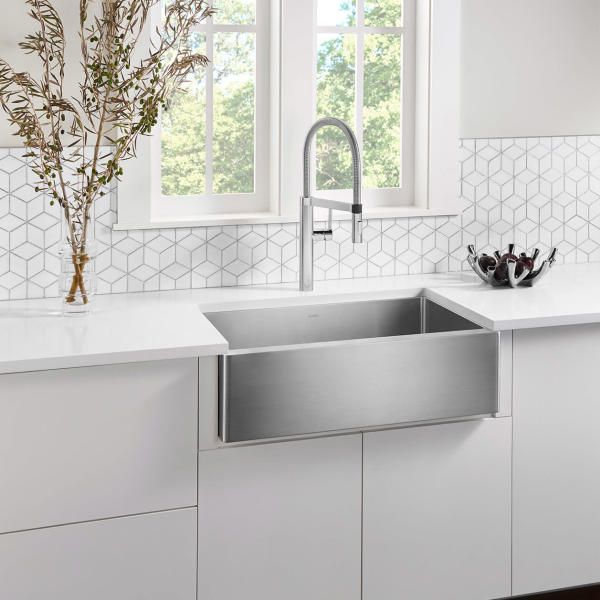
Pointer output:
x,y
118,101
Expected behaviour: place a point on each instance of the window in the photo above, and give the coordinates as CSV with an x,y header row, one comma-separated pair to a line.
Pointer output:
x,y
365,56
211,153
229,150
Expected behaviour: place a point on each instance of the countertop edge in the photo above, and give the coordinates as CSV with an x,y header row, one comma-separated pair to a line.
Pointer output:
x,y
170,325
511,324
110,358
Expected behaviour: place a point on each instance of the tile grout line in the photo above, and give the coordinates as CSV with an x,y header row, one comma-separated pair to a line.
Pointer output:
x,y
522,184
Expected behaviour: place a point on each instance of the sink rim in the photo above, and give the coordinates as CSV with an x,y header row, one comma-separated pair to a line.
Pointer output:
x,y
414,320
355,341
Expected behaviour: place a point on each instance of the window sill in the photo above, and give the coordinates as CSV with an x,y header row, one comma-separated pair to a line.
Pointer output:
x,y
268,218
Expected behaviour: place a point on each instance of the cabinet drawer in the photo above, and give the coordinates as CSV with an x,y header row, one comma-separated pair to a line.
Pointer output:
x,y
147,557
90,443
436,522
281,521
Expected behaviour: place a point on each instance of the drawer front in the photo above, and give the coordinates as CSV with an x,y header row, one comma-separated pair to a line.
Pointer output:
x,y
357,385
281,521
436,521
146,557
91,443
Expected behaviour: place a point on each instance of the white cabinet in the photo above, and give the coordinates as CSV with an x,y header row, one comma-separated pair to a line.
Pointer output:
x,y
437,512
91,443
556,521
281,521
149,557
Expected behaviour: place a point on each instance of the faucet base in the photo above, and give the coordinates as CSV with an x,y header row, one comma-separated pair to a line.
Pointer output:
x,y
306,246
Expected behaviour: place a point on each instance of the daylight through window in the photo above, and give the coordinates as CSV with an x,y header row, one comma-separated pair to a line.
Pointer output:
x,y
359,79
220,150
208,142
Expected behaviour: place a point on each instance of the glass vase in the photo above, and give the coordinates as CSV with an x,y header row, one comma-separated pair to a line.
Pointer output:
x,y
78,280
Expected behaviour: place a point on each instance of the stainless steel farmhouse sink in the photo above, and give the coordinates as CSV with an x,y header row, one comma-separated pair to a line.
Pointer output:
x,y
311,369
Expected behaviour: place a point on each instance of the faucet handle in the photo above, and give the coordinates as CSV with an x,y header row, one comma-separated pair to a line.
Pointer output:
x,y
322,234
327,233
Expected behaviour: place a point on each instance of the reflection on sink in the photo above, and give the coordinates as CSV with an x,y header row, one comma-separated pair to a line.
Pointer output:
x,y
311,369
260,328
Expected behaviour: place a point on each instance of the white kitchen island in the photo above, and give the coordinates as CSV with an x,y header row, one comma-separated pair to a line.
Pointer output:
x,y
116,485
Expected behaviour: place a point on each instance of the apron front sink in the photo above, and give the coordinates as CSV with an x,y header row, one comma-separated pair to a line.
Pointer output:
x,y
323,368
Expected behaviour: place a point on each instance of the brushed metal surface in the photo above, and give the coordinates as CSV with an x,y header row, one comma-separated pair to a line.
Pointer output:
x,y
259,328
303,370
308,234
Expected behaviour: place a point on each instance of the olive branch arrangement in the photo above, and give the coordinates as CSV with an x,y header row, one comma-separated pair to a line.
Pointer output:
x,y
120,96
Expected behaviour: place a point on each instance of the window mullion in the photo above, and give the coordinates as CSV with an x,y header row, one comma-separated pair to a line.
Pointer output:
x,y
352,29
360,69
203,27
209,129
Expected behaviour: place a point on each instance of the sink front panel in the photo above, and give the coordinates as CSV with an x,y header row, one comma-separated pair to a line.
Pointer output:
x,y
357,384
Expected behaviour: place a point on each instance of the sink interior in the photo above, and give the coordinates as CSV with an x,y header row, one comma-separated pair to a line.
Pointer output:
x,y
268,327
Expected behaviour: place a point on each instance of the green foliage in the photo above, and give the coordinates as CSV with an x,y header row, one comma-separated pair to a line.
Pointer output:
x,y
336,58
235,12
119,96
234,141
183,148
382,104
383,13
184,132
382,133
234,113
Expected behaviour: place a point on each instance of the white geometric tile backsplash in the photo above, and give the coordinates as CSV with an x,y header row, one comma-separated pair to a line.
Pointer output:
x,y
532,191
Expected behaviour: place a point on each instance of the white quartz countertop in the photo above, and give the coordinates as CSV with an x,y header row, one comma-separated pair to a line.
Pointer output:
x,y
569,295
163,325
35,336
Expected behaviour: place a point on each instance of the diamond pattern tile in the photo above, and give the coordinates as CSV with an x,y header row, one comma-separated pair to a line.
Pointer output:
x,y
533,191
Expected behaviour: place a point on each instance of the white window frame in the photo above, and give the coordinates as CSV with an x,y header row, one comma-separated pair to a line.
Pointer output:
x,y
181,207
291,105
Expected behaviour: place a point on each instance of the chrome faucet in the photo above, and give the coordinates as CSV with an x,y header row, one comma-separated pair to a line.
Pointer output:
x,y
309,202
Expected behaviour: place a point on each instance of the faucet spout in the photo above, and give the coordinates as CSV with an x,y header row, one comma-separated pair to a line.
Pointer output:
x,y
308,202
356,162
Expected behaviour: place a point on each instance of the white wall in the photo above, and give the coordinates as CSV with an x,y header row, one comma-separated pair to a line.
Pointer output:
x,y
14,25
530,68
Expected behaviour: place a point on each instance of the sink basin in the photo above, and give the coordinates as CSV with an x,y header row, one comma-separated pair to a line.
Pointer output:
x,y
313,369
